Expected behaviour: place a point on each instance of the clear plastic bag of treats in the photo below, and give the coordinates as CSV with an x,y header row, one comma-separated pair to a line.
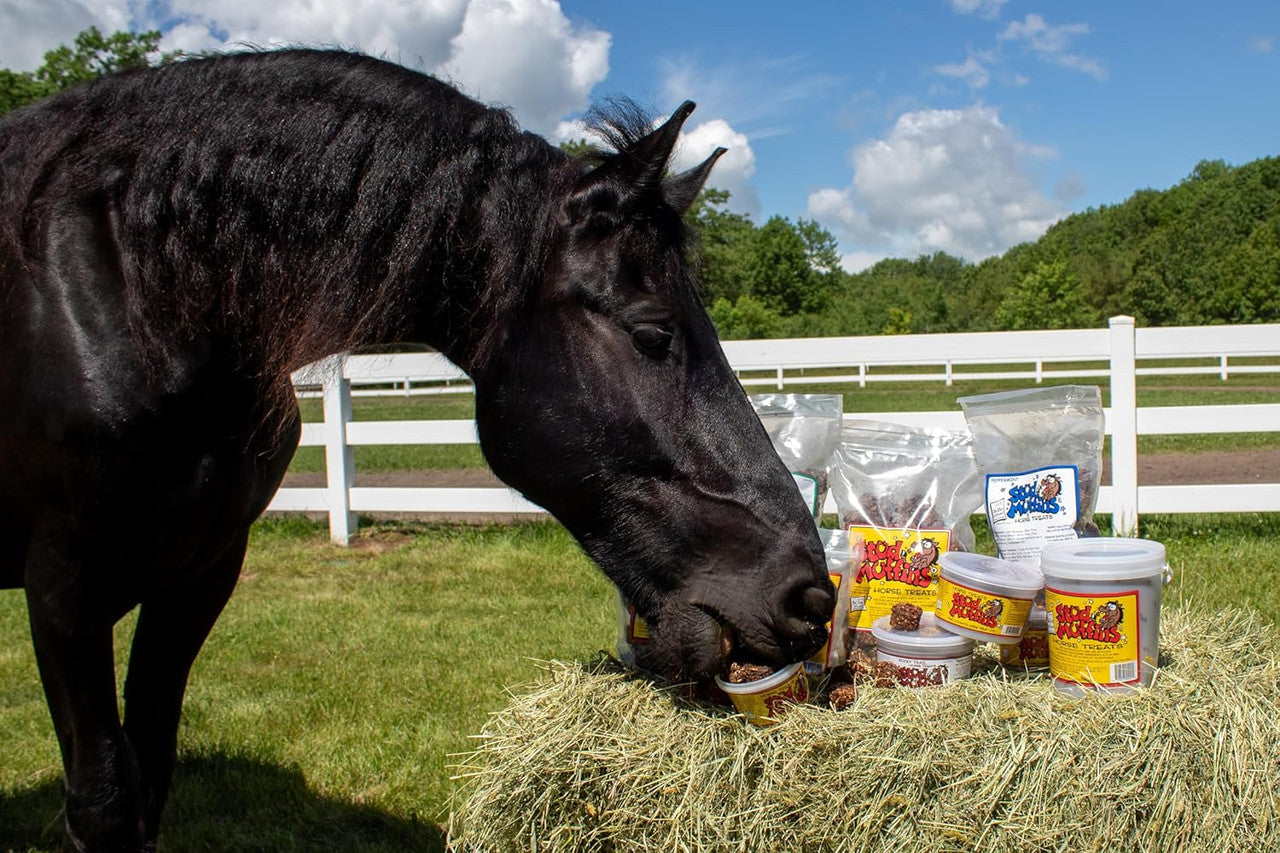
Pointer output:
x,y
1040,453
907,492
804,429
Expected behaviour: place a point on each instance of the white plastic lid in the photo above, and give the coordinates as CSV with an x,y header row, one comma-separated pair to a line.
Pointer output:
x,y
1104,558
990,574
930,641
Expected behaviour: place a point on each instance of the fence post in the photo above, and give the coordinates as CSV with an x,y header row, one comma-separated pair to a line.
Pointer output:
x,y
339,461
1124,427
779,377
1222,363
949,373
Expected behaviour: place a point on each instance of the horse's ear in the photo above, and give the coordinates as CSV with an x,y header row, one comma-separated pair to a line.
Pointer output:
x,y
645,162
681,190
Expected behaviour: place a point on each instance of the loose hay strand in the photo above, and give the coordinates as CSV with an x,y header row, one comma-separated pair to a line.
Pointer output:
x,y
594,758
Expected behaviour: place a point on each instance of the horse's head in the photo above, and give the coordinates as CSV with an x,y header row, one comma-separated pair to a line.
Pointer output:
x,y
612,406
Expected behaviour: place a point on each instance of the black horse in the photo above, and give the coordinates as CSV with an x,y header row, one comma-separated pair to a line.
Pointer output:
x,y
175,241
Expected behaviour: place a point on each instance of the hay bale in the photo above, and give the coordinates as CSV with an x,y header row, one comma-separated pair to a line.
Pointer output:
x,y
596,759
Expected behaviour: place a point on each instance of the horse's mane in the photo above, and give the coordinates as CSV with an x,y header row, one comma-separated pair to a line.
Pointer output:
x,y
297,203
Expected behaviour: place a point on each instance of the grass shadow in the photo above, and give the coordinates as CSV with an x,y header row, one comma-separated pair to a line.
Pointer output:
x,y
231,802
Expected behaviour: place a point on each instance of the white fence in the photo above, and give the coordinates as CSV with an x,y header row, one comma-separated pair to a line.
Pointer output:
x,y
1117,352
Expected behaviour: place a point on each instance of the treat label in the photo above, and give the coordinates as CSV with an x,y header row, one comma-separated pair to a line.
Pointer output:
x,y
637,628
1093,638
984,612
1029,509
808,486
820,656
765,707
898,566
1032,651
927,672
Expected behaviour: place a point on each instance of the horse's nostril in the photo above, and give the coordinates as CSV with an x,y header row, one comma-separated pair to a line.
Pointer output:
x,y
818,601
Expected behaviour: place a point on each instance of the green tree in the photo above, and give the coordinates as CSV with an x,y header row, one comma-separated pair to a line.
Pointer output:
x,y
92,55
721,248
1048,297
745,319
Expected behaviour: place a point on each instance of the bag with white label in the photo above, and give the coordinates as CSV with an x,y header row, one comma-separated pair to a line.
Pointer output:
x,y
804,429
1040,453
907,492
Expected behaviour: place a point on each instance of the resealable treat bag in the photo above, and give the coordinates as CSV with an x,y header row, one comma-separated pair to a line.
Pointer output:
x,y
844,556
1040,453
908,492
804,429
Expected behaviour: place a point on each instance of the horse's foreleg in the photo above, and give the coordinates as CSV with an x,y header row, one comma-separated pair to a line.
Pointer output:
x,y
73,645
171,629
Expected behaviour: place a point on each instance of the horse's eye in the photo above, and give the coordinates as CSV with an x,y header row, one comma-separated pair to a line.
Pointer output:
x,y
651,339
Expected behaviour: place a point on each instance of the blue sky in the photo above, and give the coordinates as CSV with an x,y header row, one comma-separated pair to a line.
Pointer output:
x,y
903,127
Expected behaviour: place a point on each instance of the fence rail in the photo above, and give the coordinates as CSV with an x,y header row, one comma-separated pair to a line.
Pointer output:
x,y
1117,349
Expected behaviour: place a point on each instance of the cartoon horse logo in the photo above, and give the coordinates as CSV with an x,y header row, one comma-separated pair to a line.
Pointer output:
x,y
927,557
1050,487
992,609
1108,615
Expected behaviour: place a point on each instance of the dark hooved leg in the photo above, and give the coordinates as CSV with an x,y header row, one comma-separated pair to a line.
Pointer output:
x,y
171,629
73,645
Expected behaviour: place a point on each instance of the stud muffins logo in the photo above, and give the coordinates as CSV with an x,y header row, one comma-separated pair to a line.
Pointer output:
x,y
974,609
1101,624
886,561
1036,496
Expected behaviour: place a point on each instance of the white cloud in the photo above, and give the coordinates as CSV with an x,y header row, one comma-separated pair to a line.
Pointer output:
x,y
1052,43
524,54
1262,44
949,180
732,171
989,9
30,28
971,71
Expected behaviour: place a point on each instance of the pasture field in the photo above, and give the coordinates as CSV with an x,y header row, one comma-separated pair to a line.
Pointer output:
x,y
325,706
876,397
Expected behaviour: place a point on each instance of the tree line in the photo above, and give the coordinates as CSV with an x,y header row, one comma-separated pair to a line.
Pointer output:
x,y
1204,251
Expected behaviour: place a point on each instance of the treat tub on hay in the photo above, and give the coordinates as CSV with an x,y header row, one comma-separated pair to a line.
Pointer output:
x,y
1103,602
926,657
764,700
985,598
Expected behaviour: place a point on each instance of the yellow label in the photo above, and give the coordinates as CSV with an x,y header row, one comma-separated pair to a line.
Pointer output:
x,y
900,565
1093,638
820,656
637,628
765,707
1032,651
993,615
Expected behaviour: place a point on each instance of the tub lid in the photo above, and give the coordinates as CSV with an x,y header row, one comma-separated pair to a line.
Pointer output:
x,y
930,639
990,574
1103,558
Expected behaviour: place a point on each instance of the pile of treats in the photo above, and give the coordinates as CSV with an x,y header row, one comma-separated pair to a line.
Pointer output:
x,y
596,758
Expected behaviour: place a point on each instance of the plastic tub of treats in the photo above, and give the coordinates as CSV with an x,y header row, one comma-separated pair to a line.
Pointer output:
x,y
1103,602
925,657
985,598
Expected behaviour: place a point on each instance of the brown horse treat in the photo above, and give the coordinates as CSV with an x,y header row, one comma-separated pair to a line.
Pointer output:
x,y
884,674
905,617
841,696
741,673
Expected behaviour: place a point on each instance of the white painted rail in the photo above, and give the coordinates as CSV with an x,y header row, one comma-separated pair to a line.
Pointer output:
x,y
1115,353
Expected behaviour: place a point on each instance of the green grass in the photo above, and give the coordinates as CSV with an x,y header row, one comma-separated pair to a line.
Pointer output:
x,y
324,708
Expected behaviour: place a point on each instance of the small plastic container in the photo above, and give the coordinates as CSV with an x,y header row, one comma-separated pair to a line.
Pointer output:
x,y
926,657
1103,601
985,598
1031,652
764,700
